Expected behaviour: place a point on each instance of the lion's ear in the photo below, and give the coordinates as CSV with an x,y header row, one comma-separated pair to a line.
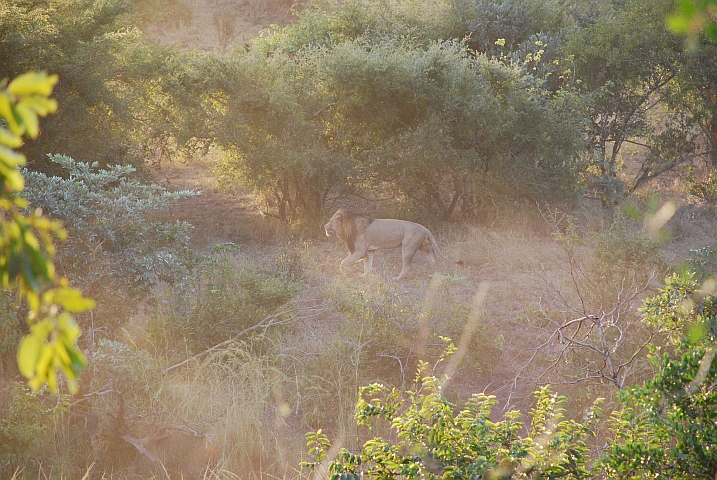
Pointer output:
x,y
338,216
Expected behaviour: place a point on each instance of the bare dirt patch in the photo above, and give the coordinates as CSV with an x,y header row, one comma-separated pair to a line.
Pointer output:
x,y
242,20
217,217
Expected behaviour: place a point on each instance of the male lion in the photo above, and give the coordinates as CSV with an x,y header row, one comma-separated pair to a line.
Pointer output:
x,y
364,235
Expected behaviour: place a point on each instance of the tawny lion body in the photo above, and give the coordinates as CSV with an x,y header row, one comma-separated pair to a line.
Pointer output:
x,y
364,235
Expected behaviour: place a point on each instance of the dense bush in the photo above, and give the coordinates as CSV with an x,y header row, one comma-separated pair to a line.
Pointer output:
x,y
221,301
666,427
113,86
116,252
28,428
435,125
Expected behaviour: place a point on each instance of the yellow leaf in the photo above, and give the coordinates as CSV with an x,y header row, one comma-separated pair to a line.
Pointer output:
x,y
42,329
29,119
36,382
40,105
69,330
10,175
63,358
28,353
42,365
73,386
9,139
11,158
52,378
33,83
33,301
31,240
72,300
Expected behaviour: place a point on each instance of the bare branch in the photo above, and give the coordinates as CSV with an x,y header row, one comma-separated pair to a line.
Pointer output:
x,y
273,320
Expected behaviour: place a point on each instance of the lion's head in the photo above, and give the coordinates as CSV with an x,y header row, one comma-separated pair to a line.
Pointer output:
x,y
347,226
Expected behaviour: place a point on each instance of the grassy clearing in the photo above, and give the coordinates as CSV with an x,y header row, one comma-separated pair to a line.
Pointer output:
x,y
297,337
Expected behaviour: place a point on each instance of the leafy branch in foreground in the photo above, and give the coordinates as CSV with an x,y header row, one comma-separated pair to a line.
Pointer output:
x,y
667,427
435,442
27,245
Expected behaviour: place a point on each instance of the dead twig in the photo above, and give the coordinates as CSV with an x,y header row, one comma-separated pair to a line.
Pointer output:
x,y
274,320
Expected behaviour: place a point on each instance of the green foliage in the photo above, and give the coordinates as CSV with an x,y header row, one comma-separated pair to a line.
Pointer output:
x,y
433,440
514,23
222,300
667,310
173,13
428,121
622,71
27,246
693,96
26,417
625,251
666,428
692,17
111,82
126,369
116,252
10,320
702,261
706,189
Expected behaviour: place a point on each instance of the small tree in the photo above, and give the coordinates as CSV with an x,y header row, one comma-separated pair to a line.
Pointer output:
x,y
118,249
589,327
622,71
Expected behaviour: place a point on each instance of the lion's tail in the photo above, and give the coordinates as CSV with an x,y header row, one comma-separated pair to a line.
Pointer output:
x,y
437,249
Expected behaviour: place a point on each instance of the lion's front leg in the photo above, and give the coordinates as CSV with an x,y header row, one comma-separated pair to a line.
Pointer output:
x,y
353,258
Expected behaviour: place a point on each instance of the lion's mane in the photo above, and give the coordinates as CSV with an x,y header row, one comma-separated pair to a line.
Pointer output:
x,y
352,225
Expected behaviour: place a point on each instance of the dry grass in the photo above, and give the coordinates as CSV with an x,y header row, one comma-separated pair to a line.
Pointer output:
x,y
257,397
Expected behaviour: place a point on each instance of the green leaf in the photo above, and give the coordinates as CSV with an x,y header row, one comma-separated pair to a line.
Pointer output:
x,y
7,114
78,361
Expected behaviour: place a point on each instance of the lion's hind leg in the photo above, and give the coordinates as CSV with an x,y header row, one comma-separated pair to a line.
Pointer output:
x,y
406,257
368,263
428,251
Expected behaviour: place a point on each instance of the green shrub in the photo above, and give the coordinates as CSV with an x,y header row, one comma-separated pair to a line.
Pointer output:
x,y
667,427
435,440
702,261
10,331
116,251
27,429
625,251
441,127
222,300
